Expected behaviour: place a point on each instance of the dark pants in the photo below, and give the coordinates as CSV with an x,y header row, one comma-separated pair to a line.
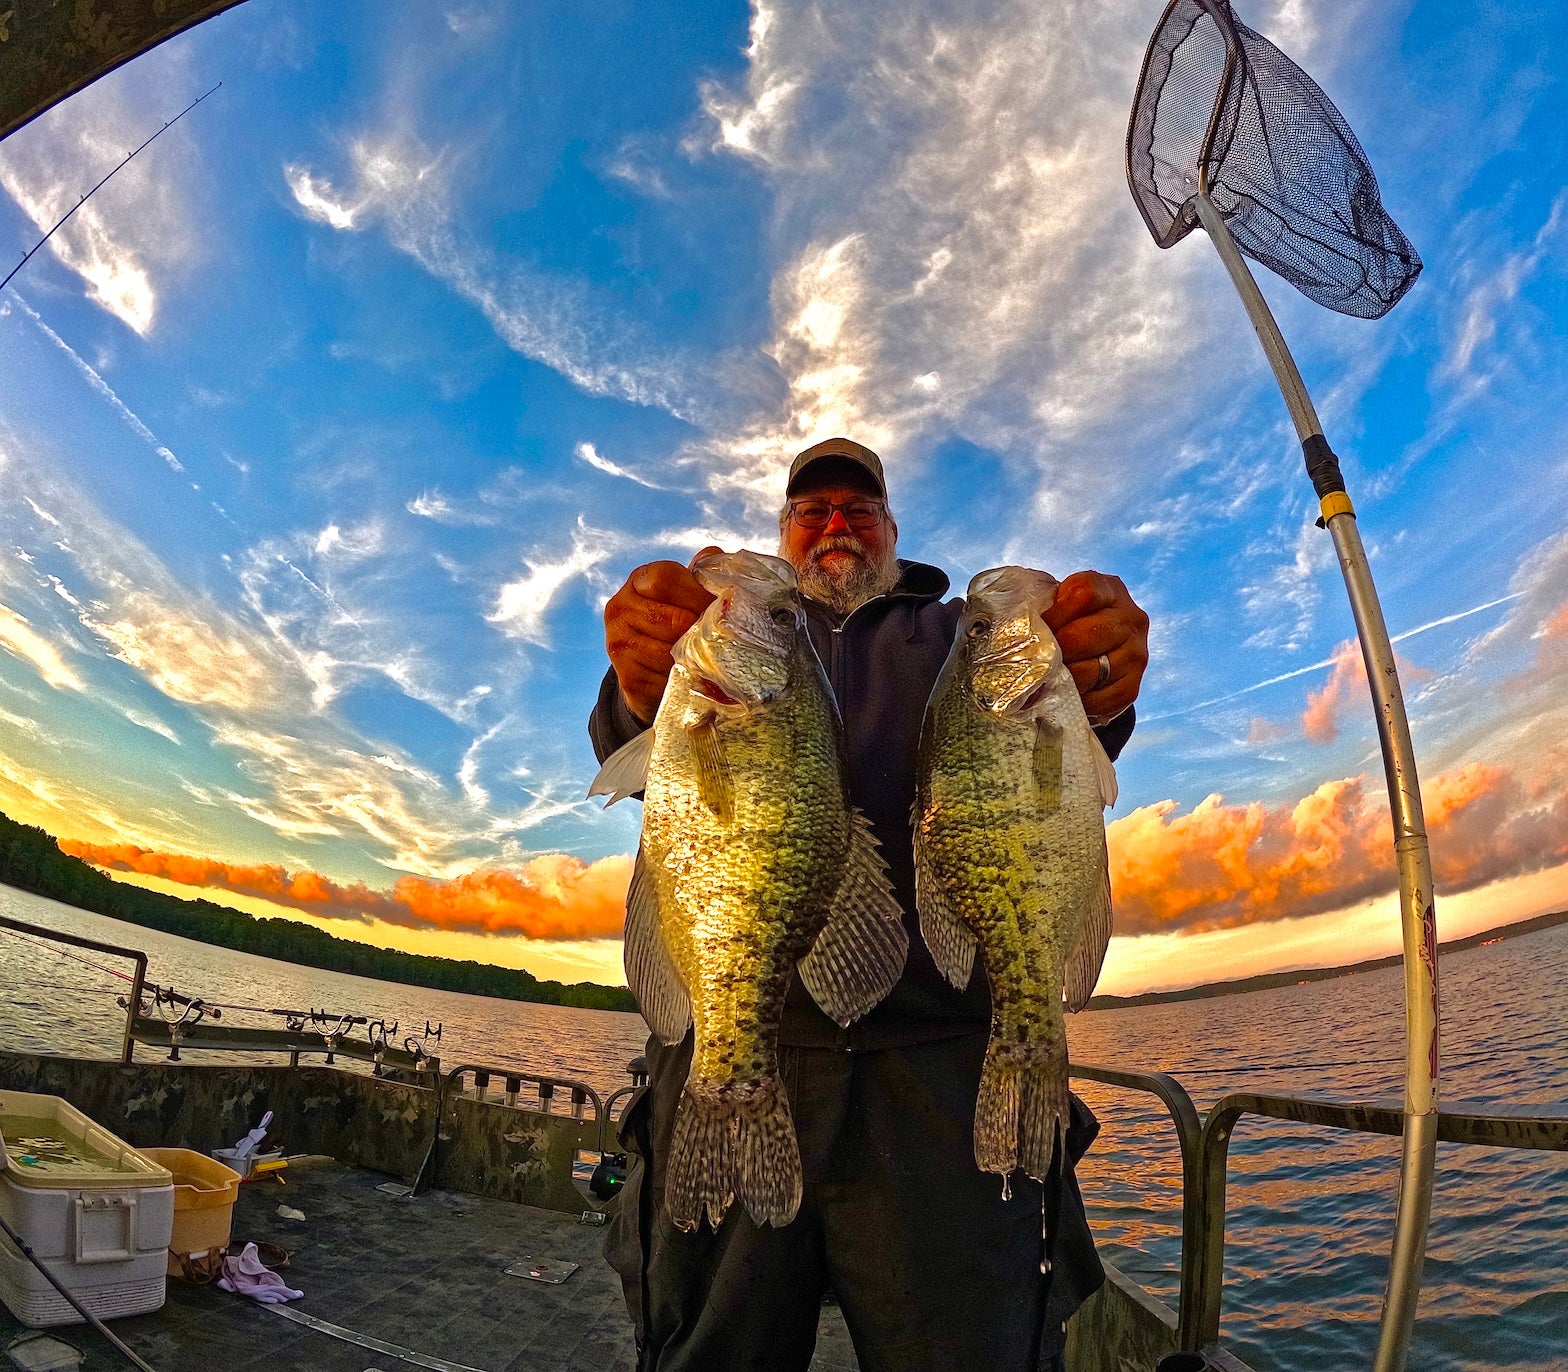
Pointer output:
x,y
934,1270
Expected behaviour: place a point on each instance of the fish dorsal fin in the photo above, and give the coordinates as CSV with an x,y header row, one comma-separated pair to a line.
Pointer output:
x,y
1090,938
625,771
713,770
951,944
860,953
650,970
1104,772
1048,764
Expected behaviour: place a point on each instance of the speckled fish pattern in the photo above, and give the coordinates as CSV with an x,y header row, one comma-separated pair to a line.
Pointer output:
x,y
1011,857
753,863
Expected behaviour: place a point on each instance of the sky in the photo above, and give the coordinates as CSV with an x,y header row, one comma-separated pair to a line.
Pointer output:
x,y
328,426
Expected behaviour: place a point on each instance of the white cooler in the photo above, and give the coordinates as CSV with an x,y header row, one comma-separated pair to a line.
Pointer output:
x,y
96,1212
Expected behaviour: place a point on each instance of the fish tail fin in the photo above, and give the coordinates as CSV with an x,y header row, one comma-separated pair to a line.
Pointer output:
x,y
1021,1108
733,1141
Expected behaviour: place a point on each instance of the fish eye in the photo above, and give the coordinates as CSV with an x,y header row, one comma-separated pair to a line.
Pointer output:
x,y
783,616
979,628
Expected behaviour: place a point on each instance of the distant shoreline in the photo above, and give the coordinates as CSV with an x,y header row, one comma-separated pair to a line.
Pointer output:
x,y
1269,980
30,861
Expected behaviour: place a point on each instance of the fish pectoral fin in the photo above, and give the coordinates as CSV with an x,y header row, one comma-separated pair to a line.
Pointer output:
x,y
952,945
650,970
860,953
1104,773
713,769
1086,951
625,771
1048,764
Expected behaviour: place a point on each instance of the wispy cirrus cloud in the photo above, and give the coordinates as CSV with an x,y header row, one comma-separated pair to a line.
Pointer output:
x,y
522,605
396,182
18,637
1492,283
587,453
139,227
103,389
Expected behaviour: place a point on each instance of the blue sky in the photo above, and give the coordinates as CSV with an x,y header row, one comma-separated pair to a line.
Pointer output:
x,y
327,427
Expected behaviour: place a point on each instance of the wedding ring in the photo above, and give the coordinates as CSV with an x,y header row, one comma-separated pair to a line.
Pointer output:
x,y
1104,674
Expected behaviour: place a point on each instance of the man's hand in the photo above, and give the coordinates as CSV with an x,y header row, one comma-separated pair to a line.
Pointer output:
x,y
1093,615
642,621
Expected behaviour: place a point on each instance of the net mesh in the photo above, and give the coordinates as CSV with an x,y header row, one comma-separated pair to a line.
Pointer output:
x,y
1280,163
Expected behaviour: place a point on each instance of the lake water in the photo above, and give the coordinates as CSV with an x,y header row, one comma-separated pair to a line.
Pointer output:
x,y
1310,1210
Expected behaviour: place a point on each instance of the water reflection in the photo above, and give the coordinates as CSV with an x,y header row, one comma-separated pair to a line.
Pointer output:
x,y
1310,1213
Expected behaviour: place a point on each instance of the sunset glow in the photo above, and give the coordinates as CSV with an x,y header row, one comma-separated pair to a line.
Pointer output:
x,y
328,427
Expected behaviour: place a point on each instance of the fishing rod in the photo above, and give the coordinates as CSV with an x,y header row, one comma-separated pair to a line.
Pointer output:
x,y
123,1349
168,124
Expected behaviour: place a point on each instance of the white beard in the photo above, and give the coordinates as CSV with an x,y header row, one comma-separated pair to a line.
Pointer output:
x,y
844,590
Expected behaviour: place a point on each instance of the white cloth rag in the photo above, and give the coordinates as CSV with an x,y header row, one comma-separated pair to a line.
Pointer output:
x,y
246,1275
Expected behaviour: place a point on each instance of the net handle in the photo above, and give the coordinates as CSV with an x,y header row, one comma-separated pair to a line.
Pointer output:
x,y
1322,465
1418,920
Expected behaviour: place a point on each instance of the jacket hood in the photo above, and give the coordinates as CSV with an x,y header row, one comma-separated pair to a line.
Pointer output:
x,y
920,578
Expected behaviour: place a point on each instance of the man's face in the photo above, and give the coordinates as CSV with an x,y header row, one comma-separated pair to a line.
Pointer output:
x,y
839,565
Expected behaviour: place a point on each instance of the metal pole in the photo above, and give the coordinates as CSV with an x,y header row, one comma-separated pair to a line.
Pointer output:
x,y
133,1009
128,1353
1417,916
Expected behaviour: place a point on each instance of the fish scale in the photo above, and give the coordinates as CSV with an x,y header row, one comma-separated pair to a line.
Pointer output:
x,y
1010,854
753,866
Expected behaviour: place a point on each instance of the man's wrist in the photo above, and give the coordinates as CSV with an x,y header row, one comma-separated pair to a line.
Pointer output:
x,y
627,720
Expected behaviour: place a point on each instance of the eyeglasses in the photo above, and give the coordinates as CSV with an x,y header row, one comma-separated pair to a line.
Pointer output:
x,y
858,514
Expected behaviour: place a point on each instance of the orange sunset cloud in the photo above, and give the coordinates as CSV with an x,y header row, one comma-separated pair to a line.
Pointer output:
x,y
1217,866
553,896
1224,865
1346,684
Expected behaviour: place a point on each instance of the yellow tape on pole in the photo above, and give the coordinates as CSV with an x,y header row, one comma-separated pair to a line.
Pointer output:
x,y
1335,503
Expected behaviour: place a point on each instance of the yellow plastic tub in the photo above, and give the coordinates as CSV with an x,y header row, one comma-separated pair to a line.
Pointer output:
x,y
204,1192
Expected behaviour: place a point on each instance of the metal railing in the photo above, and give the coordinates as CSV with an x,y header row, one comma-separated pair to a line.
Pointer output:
x,y
1508,1128
138,978
579,1095
195,1025
1205,1154
1184,1115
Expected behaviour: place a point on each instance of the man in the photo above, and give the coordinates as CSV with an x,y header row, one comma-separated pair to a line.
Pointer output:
x,y
934,1267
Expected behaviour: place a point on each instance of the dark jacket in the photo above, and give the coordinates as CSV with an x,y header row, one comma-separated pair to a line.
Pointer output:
x,y
882,661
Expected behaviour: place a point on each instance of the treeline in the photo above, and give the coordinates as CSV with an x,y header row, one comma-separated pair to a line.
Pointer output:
x,y
30,859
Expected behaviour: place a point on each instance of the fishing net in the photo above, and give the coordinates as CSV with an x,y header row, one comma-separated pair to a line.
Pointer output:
x,y
1221,108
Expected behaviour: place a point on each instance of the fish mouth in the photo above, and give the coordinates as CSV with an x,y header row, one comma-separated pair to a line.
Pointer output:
x,y
1004,702
1033,698
711,690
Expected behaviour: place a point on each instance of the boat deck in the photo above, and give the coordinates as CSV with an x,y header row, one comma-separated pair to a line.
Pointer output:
x,y
424,1274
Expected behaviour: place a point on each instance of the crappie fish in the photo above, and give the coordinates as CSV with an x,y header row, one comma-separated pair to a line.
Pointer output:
x,y
1010,853
753,865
